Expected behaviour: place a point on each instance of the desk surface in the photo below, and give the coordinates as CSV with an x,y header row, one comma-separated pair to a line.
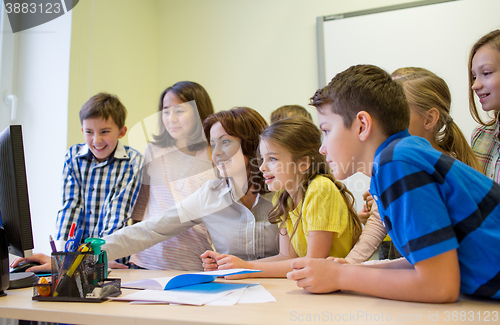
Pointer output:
x,y
293,306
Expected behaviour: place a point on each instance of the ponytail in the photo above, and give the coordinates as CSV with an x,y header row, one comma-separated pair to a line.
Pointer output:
x,y
452,140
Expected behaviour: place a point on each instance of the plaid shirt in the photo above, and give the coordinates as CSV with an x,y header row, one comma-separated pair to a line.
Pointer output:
x,y
98,196
486,146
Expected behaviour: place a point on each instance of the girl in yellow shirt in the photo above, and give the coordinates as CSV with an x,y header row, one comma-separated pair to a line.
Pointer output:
x,y
315,212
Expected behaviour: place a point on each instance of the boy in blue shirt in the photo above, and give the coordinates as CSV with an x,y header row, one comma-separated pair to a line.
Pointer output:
x,y
442,215
101,176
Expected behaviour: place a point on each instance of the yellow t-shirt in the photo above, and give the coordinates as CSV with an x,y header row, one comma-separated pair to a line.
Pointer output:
x,y
323,209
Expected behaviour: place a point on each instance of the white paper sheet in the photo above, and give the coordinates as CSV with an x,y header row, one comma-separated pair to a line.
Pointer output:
x,y
256,294
212,294
171,296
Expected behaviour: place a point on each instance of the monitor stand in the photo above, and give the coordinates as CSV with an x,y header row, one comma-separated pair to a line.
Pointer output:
x,y
4,262
11,280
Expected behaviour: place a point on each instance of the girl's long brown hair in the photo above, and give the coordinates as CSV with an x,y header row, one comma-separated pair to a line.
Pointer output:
x,y
247,125
425,90
302,138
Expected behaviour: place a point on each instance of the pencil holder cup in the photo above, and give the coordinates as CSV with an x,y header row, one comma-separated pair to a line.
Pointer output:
x,y
77,276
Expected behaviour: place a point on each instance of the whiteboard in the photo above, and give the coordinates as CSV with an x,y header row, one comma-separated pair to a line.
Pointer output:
x,y
437,37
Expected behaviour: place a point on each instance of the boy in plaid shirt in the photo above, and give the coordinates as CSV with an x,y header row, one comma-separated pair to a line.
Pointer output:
x,y
101,176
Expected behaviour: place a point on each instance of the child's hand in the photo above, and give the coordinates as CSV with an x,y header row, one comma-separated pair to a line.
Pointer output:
x,y
316,275
43,259
364,214
338,260
227,262
208,260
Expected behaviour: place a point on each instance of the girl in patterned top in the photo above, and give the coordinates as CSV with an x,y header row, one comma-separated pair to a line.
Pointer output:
x,y
484,81
176,164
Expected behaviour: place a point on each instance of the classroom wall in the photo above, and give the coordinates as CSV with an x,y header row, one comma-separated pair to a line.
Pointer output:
x,y
114,48
260,53
42,90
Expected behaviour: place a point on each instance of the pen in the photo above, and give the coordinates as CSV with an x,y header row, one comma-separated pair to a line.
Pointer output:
x,y
72,230
211,242
78,237
72,269
213,248
54,250
52,244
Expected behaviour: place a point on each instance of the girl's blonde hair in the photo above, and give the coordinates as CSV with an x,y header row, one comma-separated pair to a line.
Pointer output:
x,y
299,136
425,90
491,39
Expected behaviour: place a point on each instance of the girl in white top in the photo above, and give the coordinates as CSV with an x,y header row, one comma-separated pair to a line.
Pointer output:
x,y
176,164
233,208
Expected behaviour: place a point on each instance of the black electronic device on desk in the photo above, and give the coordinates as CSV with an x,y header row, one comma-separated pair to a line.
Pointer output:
x,y
19,278
16,235
22,267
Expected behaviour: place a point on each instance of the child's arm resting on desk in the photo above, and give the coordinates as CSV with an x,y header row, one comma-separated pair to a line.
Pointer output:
x,y
436,279
319,243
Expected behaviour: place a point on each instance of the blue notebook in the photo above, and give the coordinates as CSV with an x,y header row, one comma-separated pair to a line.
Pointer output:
x,y
183,280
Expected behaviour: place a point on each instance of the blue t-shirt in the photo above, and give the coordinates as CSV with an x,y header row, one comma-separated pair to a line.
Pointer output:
x,y
431,203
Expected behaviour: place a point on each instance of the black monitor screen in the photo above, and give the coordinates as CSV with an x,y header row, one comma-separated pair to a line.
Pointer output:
x,y
14,203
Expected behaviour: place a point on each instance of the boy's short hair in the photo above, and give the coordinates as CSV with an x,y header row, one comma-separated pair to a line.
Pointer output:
x,y
104,105
289,111
366,88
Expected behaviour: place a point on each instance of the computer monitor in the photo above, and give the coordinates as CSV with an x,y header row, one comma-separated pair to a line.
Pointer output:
x,y
16,236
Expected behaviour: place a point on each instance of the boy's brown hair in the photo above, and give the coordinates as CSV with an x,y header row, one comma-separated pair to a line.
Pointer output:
x,y
366,88
289,111
104,105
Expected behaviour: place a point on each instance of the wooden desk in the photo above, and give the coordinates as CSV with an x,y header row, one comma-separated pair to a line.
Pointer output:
x,y
293,306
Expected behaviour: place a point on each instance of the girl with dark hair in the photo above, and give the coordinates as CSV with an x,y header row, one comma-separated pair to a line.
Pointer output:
x,y
176,164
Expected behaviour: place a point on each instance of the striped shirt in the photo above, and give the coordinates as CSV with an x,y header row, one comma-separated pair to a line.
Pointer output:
x,y
486,146
98,196
431,203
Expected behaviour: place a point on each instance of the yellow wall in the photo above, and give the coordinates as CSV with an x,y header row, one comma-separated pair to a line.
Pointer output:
x,y
259,53
114,48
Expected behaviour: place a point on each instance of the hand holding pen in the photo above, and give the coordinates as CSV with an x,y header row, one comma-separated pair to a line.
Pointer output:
x,y
209,261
